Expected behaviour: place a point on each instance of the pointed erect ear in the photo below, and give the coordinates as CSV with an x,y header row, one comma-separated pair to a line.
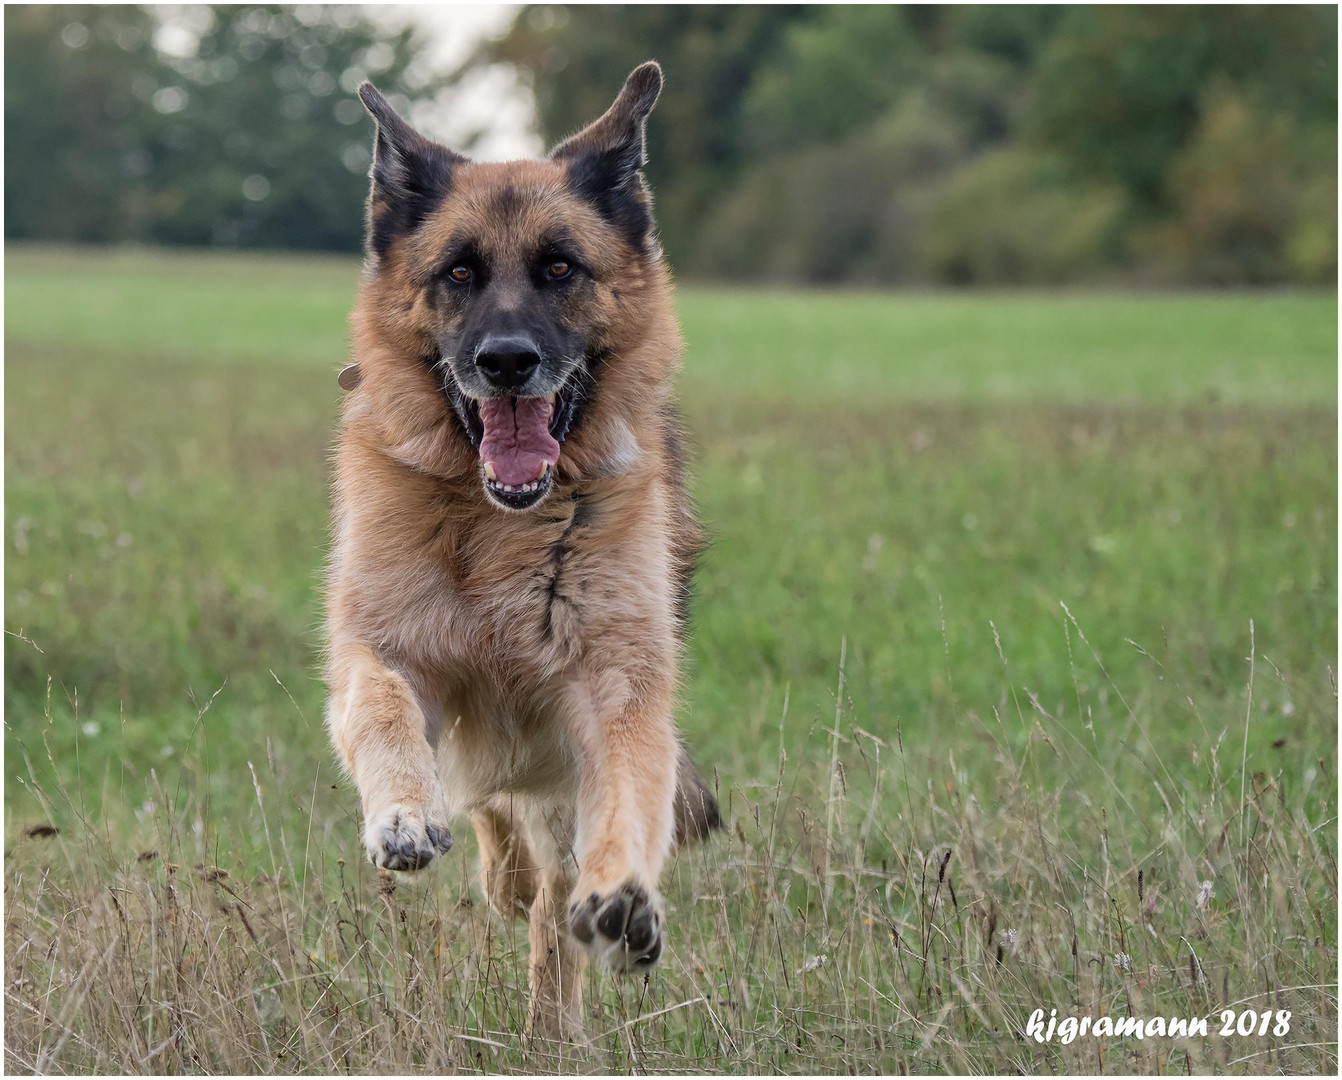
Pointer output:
x,y
410,174
605,160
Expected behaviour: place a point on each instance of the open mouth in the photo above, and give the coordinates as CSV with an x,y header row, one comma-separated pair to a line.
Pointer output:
x,y
518,440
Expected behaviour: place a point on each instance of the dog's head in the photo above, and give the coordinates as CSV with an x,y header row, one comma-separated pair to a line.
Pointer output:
x,y
512,283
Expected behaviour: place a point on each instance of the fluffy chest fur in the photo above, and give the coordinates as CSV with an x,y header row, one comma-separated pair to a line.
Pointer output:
x,y
498,620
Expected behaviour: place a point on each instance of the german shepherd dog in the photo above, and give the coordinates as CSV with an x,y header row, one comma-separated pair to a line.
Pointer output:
x,y
513,539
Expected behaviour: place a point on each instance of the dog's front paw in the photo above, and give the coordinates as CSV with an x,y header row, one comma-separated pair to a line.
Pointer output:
x,y
400,837
621,928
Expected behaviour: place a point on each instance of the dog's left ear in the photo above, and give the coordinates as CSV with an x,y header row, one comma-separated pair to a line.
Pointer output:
x,y
605,160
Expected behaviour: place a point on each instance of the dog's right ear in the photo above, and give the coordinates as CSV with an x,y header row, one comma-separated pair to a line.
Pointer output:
x,y
410,174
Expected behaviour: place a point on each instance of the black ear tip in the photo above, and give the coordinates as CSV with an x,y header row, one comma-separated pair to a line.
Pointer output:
x,y
648,71
644,84
373,100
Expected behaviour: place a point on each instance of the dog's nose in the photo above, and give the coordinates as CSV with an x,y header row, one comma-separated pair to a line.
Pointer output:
x,y
507,362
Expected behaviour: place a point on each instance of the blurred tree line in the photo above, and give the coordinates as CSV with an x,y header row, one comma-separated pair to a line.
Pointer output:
x,y
942,145
970,144
223,125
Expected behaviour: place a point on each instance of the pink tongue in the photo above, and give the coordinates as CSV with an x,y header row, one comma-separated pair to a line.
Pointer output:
x,y
517,441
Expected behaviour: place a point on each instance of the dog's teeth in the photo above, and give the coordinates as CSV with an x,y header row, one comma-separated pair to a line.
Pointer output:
x,y
552,398
516,489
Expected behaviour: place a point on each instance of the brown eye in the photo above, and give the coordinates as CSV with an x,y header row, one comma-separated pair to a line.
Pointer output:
x,y
460,274
559,269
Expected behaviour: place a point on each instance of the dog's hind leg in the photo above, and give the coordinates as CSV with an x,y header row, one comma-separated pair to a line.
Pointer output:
x,y
381,732
508,870
557,960
697,813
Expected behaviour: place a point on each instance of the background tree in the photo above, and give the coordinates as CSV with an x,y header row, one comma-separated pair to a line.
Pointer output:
x,y
270,147
827,143
971,143
575,59
244,133
77,138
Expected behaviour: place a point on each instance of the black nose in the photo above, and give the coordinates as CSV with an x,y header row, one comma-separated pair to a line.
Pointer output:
x,y
507,362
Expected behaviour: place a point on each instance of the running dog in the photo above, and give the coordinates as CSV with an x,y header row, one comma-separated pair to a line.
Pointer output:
x,y
513,540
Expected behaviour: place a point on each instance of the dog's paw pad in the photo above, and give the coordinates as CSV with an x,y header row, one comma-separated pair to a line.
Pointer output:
x,y
621,929
398,838
439,837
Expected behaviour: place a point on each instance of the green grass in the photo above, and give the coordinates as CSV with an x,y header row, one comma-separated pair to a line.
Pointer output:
x,y
1076,347
1037,529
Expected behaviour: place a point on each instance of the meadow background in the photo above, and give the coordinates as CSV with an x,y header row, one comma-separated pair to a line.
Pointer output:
x,y
1013,661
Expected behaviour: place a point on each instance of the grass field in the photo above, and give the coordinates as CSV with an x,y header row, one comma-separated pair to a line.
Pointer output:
x,y
1013,661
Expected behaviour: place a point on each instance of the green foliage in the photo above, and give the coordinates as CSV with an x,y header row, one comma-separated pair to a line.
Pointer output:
x,y
834,143
831,75
1098,126
1012,215
271,149
76,135
1122,88
1312,249
888,179
576,59
250,136
1013,32
1238,191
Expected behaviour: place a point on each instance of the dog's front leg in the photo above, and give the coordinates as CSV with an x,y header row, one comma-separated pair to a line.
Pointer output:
x,y
625,827
380,730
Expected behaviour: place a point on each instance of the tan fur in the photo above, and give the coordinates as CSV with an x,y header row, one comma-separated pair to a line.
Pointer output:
x,y
509,873
519,667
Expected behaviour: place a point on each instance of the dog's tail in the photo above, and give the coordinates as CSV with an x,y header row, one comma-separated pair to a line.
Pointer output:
x,y
697,813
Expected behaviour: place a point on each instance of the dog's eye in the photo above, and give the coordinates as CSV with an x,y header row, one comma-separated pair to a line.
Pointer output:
x,y
559,269
460,274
